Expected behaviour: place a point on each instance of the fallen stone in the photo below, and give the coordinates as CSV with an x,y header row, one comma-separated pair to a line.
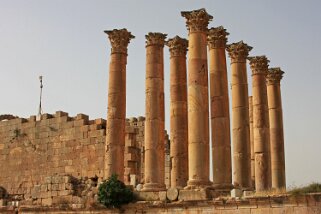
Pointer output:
x,y
172,194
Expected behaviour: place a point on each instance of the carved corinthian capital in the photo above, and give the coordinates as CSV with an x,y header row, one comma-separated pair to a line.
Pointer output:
x,y
217,37
177,46
119,40
274,75
238,52
155,39
197,20
259,64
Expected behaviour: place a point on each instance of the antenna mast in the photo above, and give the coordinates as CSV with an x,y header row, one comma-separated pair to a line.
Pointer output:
x,y
40,107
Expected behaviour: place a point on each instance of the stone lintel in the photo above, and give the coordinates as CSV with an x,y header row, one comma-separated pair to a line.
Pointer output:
x,y
177,46
217,37
238,52
155,39
119,40
274,75
197,20
259,64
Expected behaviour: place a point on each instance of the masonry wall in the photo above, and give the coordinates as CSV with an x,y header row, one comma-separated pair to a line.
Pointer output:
x,y
32,150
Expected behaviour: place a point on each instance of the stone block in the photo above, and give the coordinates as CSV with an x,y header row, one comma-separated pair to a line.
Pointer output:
x,y
60,114
194,195
100,121
46,202
162,195
236,193
147,196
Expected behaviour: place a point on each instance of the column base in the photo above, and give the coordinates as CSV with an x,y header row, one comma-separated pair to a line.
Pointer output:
x,y
199,184
223,189
153,187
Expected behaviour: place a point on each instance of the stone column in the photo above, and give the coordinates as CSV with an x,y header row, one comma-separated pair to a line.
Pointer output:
x,y
276,127
198,113
252,142
261,135
220,115
116,112
155,113
238,53
178,112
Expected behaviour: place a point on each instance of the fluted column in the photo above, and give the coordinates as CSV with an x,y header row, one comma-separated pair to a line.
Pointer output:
x,y
198,113
178,111
220,115
116,112
276,127
252,142
261,132
238,53
155,113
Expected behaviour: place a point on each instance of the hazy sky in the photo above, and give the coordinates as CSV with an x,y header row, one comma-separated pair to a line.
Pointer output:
x,y
64,41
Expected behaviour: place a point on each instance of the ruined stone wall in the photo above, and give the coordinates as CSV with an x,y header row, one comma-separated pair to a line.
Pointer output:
x,y
32,150
134,152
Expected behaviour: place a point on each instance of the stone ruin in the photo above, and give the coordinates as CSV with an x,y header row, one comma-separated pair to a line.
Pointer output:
x,y
60,160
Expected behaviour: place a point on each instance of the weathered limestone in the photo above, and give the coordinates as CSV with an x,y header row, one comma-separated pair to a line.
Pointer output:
x,y
198,113
276,127
116,113
252,142
238,53
178,111
220,115
155,113
261,133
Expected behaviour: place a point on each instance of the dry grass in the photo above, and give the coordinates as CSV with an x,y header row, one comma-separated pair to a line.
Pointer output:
x,y
311,188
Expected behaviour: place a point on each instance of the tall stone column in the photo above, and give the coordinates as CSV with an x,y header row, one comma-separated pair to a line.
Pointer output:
x,y
220,115
261,133
252,142
276,127
178,111
238,53
116,112
198,113
155,113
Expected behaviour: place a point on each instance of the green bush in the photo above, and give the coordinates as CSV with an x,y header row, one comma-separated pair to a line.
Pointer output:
x,y
113,193
312,188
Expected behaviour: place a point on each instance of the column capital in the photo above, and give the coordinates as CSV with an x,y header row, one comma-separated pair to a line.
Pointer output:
x,y
259,64
239,51
274,75
177,46
197,20
155,39
119,40
217,37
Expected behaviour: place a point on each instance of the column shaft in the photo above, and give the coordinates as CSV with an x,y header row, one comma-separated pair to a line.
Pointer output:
x,y
116,113
155,113
276,128
261,135
252,142
220,115
240,116
178,112
198,112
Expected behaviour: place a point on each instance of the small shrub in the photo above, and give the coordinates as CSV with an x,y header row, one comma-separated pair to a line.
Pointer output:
x,y
113,193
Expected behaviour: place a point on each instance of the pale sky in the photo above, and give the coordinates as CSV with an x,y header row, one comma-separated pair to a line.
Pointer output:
x,y
64,41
